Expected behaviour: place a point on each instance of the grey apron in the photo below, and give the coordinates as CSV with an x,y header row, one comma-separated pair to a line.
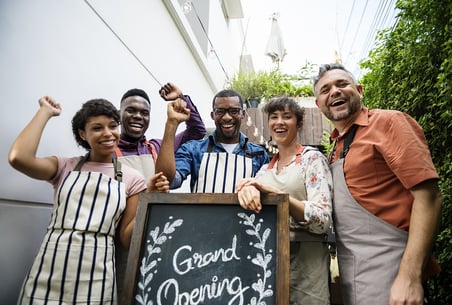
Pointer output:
x,y
369,249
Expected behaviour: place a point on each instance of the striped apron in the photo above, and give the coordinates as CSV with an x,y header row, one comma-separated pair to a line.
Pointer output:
x,y
219,172
75,263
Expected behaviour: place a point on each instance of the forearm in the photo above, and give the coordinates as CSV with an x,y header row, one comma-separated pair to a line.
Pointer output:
x,y
166,162
22,155
195,128
423,228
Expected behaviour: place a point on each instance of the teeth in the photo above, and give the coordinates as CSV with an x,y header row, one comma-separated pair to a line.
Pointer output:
x,y
227,126
337,102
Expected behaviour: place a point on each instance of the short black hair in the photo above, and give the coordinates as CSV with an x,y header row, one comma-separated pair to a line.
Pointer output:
x,y
136,92
94,107
227,93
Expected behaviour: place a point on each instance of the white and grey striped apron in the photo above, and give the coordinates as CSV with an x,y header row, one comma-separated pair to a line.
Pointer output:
x,y
75,263
219,172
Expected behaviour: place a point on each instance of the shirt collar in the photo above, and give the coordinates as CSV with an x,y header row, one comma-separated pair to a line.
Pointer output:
x,y
126,144
361,120
214,140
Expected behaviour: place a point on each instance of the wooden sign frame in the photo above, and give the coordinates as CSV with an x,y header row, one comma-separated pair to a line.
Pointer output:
x,y
150,200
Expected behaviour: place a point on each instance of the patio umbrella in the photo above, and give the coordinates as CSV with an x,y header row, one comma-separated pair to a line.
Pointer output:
x,y
275,45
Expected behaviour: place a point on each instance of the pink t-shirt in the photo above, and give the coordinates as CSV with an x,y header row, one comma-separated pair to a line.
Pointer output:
x,y
133,180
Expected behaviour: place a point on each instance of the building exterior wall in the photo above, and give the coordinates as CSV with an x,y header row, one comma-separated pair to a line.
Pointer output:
x,y
79,50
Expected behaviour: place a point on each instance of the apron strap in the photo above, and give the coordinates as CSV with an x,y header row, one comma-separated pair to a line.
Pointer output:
x,y
116,166
81,162
348,140
297,157
151,148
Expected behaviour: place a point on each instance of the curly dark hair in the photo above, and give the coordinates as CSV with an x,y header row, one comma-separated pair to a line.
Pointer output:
x,y
279,104
94,107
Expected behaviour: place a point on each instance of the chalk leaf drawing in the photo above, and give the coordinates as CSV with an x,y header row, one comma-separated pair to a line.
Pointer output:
x,y
148,263
262,258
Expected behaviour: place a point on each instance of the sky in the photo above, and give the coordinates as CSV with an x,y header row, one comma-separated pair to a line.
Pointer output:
x,y
316,31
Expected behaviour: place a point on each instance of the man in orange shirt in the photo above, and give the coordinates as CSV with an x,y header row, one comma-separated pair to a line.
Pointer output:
x,y
386,197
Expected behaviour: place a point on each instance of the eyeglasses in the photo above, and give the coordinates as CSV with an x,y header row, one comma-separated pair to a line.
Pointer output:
x,y
232,111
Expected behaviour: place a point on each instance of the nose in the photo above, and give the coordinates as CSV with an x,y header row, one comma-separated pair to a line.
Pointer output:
x,y
137,114
107,131
335,91
227,115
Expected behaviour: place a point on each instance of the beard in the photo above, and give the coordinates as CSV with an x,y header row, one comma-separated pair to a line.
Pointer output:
x,y
351,109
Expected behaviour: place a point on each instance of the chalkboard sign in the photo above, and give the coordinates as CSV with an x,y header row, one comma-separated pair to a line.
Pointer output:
x,y
191,249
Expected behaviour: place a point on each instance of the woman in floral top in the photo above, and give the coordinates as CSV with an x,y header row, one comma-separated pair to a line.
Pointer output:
x,y
303,173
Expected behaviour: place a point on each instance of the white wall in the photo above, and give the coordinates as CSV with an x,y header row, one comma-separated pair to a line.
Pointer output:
x,y
63,49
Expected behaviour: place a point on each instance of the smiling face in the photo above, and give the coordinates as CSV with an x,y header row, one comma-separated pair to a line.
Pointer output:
x,y
134,118
102,134
227,125
284,127
338,97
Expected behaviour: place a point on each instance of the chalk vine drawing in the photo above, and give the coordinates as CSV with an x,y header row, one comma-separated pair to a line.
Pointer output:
x,y
147,263
262,258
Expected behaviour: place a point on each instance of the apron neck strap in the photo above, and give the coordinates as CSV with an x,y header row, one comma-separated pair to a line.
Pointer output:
x,y
348,140
116,166
297,157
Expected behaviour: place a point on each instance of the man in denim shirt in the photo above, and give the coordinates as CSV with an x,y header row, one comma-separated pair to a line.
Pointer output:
x,y
216,163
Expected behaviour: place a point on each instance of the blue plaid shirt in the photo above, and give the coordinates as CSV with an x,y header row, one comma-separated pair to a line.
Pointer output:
x,y
189,157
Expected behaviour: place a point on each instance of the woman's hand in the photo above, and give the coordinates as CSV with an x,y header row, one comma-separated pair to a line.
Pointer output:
x,y
158,183
249,193
250,198
49,104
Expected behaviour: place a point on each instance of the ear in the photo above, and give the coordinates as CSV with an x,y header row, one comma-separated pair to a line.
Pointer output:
x,y
316,102
299,125
82,134
359,87
212,115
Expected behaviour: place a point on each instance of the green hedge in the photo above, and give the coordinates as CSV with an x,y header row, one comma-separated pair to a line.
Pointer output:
x,y
410,70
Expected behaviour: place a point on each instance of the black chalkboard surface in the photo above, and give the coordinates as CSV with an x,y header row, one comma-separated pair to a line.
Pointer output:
x,y
192,249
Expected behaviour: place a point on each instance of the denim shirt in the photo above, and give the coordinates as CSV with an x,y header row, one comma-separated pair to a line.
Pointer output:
x,y
190,154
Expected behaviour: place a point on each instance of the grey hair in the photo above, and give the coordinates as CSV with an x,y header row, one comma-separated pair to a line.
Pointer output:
x,y
328,67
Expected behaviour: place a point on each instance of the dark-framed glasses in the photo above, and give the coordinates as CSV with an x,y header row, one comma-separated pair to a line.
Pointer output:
x,y
231,111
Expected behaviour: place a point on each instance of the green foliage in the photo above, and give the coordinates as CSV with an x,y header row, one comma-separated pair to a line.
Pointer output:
x,y
410,70
265,85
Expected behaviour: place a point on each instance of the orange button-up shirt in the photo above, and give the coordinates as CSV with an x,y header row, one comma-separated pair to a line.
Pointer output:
x,y
388,156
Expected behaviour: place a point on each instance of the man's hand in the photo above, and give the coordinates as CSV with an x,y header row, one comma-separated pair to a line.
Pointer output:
x,y
405,291
177,111
169,92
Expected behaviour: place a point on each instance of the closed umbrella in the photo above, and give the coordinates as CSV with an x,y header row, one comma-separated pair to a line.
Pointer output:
x,y
275,45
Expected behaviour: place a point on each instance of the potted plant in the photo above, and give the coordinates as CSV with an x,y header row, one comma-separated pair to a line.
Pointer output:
x,y
255,87
251,86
